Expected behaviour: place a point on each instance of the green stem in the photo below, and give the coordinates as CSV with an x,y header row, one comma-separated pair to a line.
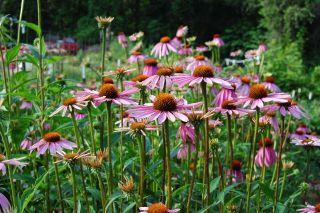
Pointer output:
x,y
142,164
230,144
74,189
283,183
92,130
167,147
109,123
75,127
206,143
251,162
103,51
102,192
282,138
83,178
58,185
194,170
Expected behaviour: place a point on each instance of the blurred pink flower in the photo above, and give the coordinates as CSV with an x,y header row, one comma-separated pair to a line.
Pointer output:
x,y
184,149
13,162
266,155
135,57
163,48
150,67
217,41
270,85
185,50
122,40
182,31
197,61
26,144
5,204
26,105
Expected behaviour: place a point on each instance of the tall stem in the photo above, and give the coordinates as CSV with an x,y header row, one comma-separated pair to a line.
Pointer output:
x,y
103,51
251,162
167,147
109,122
142,163
92,130
194,169
74,189
58,186
19,23
121,133
5,78
282,138
102,192
206,143
230,144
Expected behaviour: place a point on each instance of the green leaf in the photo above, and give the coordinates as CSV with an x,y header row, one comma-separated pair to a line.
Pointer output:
x,y
12,54
29,58
267,190
27,95
54,59
128,208
214,183
113,198
32,26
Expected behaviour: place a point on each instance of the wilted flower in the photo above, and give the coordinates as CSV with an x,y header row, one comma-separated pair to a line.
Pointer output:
x,y
235,171
127,185
157,208
71,156
270,118
26,144
103,22
14,162
186,132
185,50
287,165
136,36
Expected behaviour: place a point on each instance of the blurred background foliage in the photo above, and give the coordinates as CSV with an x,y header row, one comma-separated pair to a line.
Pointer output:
x,y
289,27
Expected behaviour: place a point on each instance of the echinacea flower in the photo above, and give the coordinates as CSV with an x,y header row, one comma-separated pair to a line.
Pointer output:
x,y
270,118
107,80
136,36
309,141
262,47
4,204
150,67
176,42
197,61
26,144
163,48
186,132
289,107
139,128
214,123
184,150
201,48
310,209
217,40
244,88
122,40
13,162
127,185
299,134
90,96
202,73
95,162
119,73
136,57
109,93
26,105
157,208
79,115
252,54
229,107
258,95
270,85
185,50
236,53
69,105
224,95
71,156
162,79
235,171
53,142
164,106
104,22
266,155
182,31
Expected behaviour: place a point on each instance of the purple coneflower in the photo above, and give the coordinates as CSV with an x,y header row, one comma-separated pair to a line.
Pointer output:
x,y
197,61
262,47
176,42
185,50
225,94
266,155
229,107
244,88
13,162
202,73
258,94
164,106
310,140
71,156
157,208
26,105
217,40
252,54
184,149
109,93
26,144
289,107
69,105
5,204
136,57
182,31
236,53
235,171
79,115
186,132
139,128
270,85
163,48
122,39
136,36
150,67
310,209
53,142
214,123
201,48
299,134
270,118
162,79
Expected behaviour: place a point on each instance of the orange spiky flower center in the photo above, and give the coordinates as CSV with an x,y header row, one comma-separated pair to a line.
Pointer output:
x,y
228,104
258,91
157,208
2,157
270,79
150,62
203,71
109,91
52,137
139,78
71,155
166,71
165,39
317,207
245,80
107,80
199,57
178,69
236,165
271,114
136,53
137,126
69,101
165,102
267,142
